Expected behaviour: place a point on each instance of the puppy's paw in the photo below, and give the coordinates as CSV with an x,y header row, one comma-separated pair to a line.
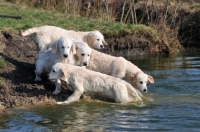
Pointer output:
x,y
38,78
59,102
64,102
56,92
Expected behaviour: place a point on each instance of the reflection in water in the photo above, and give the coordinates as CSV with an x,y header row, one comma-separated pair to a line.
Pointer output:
x,y
173,104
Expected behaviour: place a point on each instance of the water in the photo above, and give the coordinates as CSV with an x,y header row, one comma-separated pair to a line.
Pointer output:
x,y
174,104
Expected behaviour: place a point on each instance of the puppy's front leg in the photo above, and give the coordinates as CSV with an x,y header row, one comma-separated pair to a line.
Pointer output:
x,y
78,91
58,87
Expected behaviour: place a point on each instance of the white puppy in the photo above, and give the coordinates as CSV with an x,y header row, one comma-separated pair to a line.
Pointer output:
x,y
83,53
60,52
90,81
45,35
120,68
82,58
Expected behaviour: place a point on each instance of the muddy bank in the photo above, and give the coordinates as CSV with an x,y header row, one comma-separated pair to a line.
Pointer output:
x,y
130,45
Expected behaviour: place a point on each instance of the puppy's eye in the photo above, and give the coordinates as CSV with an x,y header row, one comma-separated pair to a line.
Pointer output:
x,y
53,70
62,47
141,82
82,54
97,39
88,55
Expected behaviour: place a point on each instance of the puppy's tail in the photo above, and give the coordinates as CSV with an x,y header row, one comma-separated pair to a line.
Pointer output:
x,y
134,93
28,31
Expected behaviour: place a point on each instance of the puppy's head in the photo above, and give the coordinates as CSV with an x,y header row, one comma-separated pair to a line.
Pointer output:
x,y
96,40
57,72
64,45
140,80
83,52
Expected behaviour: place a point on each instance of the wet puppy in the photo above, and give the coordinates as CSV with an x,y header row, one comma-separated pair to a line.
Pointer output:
x,y
82,80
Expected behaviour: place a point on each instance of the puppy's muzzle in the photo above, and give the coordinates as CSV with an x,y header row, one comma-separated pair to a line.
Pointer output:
x,y
85,63
65,55
101,46
145,90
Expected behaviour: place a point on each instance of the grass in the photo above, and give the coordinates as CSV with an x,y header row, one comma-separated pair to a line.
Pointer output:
x,y
2,83
2,65
33,17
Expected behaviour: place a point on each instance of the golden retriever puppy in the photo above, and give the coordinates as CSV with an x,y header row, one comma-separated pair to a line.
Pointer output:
x,y
81,58
62,51
83,53
45,35
120,68
83,80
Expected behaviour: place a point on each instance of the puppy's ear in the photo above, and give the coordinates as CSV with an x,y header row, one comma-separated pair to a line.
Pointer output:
x,y
91,56
104,42
76,57
132,76
55,46
64,72
150,79
73,48
76,47
89,39
133,79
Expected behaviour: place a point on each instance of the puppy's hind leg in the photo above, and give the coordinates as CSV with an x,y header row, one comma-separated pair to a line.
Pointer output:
x,y
58,87
118,68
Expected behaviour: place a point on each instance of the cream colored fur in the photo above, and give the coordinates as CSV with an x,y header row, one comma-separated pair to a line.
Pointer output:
x,y
83,80
45,35
83,53
62,51
81,58
120,68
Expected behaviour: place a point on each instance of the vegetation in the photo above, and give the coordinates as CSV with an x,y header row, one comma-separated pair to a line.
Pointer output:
x,y
33,17
159,21
2,65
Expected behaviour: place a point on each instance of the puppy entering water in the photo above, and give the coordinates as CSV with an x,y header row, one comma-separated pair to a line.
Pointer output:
x,y
90,81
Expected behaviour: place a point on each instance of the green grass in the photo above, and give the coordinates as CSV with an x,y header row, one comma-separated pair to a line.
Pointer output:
x,y
2,63
33,17
2,82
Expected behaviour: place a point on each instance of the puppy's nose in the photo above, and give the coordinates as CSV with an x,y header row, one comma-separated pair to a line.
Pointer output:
x,y
85,63
65,55
102,46
145,90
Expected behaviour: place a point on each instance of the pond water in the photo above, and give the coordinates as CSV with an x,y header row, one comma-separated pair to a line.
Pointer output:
x,y
174,104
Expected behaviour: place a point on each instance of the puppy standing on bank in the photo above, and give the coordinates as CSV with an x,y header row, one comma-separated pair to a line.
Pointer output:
x,y
90,81
45,35
61,51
